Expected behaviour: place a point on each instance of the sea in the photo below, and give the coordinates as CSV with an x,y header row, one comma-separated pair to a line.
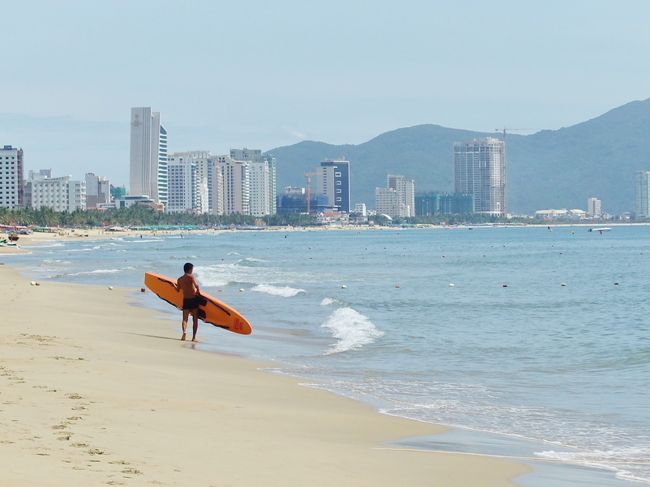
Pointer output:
x,y
532,343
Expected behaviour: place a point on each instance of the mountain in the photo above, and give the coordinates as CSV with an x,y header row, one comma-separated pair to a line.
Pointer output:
x,y
548,169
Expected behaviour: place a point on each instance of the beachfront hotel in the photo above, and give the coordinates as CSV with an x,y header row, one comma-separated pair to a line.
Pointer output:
x,y
11,177
480,171
642,194
148,170
334,183
58,194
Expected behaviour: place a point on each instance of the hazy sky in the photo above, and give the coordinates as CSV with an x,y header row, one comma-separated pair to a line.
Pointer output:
x,y
264,74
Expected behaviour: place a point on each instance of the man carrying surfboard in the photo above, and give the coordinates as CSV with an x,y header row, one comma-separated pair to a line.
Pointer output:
x,y
191,299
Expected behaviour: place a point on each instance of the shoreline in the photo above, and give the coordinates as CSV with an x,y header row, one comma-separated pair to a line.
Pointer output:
x,y
96,425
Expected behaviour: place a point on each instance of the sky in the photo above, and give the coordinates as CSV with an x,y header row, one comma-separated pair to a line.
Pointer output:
x,y
264,74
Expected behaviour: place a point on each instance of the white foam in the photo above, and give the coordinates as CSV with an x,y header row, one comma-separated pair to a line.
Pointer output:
x,y
328,301
284,291
97,271
352,330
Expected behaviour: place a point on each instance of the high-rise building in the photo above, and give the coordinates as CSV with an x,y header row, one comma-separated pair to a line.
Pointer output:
x,y
405,188
182,185
480,170
263,180
642,194
216,188
98,190
334,183
389,202
594,207
148,172
200,189
58,194
12,186
236,185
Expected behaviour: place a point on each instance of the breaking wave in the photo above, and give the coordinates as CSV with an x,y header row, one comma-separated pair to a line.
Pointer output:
x,y
284,291
351,329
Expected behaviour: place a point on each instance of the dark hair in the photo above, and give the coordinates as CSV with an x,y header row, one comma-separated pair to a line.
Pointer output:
x,y
188,267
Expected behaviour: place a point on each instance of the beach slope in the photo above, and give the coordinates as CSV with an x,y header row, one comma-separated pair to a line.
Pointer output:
x,y
94,391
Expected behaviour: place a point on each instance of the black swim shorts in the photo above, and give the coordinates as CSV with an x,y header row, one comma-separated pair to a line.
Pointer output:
x,y
191,303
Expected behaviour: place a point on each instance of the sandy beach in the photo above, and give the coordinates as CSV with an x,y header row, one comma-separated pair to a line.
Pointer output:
x,y
94,391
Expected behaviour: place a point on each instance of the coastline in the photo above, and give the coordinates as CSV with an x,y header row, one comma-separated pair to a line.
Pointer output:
x,y
71,417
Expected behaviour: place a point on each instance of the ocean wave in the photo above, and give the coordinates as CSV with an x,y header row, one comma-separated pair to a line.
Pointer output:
x,y
352,330
328,301
98,271
632,463
284,291
251,261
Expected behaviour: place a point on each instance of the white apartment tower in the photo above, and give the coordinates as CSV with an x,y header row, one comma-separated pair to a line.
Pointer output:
x,y
236,185
263,182
480,170
642,194
389,202
405,188
11,178
182,185
198,190
594,207
148,173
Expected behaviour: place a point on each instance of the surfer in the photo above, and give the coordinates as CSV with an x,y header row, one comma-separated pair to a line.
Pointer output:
x,y
191,299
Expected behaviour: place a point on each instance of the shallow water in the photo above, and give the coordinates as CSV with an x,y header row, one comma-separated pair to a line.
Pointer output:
x,y
541,335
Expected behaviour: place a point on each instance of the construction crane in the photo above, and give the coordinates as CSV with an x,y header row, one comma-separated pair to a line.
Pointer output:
x,y
504,131
308,176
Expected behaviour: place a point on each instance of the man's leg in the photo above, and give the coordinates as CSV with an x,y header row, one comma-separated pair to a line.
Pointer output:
x,y
195,323
186,314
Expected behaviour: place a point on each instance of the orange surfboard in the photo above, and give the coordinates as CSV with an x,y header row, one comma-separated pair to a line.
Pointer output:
x,y
211,310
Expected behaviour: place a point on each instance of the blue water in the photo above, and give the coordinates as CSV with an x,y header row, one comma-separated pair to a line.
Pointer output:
x,y
542,336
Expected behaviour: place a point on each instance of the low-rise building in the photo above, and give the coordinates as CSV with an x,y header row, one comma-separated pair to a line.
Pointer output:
x,y
58,194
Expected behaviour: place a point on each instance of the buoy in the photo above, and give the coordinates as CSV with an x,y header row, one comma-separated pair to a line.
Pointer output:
x,y
616,284
563,284
343,286
504,285
241,289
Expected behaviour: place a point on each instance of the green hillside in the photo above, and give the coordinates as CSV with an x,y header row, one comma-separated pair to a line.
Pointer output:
x,y
551,168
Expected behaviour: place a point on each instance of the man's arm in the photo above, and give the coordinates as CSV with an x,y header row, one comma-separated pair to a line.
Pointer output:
x,y
196,283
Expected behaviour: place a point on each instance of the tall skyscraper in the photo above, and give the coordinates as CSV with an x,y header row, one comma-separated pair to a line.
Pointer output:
x,y
334,183
480,170
148,172
11,183
594,207
405,188
642,194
